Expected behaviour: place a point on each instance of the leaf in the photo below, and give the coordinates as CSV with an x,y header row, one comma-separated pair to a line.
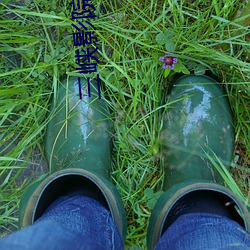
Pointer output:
x,y
47,58
192,65
200,70
166,36
151,203
169,46
169,33
34,74
148,192
179,67
185,71
160,38
155,196
166,72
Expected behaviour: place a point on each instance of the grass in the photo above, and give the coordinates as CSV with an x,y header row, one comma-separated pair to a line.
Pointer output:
x,y
37,53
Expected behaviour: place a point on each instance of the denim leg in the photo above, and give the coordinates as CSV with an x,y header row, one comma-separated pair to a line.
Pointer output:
x,y
76,222
204,231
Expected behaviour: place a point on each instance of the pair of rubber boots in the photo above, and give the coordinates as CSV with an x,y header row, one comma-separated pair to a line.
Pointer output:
x,y
197,131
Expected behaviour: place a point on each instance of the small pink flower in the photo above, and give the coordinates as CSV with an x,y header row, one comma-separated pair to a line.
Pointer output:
x,y
168,61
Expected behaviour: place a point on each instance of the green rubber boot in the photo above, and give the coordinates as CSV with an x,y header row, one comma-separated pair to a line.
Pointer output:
x,y
197,125
78,149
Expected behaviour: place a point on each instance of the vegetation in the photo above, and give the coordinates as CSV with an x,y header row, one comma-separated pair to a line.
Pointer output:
x,y
37,52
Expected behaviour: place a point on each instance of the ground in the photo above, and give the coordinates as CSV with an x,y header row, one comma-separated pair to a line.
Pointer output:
x,y
37,52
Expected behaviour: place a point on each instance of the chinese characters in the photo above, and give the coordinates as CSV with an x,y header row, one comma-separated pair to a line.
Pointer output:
x,y
85,58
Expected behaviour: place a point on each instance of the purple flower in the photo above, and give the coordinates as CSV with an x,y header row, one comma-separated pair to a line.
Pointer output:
x,y
168,61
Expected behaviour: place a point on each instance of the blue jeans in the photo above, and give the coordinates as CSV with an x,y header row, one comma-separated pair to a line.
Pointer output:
x,y
80,222
204,231
70,223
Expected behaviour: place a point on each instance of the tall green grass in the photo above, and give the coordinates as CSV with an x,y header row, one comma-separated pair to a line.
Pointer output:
x,y
37,53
